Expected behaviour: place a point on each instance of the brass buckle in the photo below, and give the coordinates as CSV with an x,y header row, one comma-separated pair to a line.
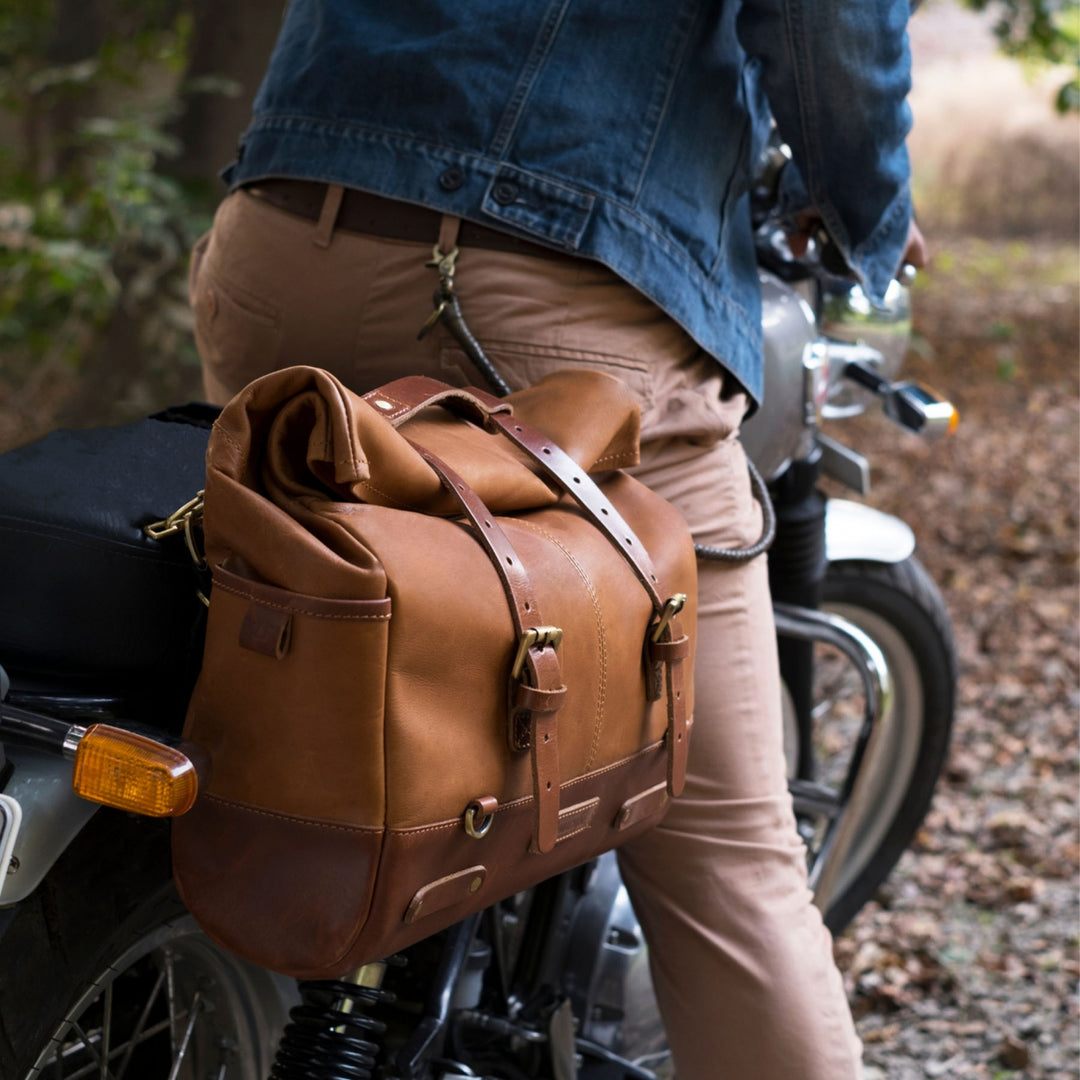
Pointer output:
x,y
671,609
536,635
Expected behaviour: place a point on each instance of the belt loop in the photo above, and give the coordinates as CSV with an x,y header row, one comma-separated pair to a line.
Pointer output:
x,y
448,233
324,229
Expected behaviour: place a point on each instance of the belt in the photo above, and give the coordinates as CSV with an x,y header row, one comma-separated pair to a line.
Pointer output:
x,y
375,215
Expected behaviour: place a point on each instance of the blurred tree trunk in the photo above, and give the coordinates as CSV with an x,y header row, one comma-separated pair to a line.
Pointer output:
x,y
232,41
50,121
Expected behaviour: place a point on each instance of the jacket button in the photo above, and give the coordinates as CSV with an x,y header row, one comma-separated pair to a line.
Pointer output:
x,y
451,179
504,192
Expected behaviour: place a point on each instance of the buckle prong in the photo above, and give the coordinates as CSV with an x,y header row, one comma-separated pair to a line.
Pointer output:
x,y
671,609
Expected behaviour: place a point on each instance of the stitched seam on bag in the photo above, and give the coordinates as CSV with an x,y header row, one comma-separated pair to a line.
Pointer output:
x,y
600,636
617,460
576,832
296,610
294,819
229,438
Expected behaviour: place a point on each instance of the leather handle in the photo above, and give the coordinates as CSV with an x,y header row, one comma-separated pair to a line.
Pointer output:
x,y
536,704
402,399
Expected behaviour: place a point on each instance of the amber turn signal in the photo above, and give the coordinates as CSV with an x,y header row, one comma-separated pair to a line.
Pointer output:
x,y
131,772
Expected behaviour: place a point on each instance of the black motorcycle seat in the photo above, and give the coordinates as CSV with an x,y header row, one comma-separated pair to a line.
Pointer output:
x,y
83,590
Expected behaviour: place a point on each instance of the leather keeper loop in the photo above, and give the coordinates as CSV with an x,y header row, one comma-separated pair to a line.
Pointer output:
x,y
666,652
541,701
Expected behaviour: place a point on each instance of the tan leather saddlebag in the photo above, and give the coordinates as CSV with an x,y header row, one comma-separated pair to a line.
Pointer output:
x,y
443,661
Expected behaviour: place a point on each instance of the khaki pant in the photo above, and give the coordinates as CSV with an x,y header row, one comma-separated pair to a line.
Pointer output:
x,y
741,962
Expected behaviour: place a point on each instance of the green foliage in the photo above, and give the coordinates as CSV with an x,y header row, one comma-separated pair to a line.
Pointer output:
x,y
92,227
1041,32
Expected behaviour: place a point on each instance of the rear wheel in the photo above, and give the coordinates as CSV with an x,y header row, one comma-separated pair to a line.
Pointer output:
x,y
104,974
900,608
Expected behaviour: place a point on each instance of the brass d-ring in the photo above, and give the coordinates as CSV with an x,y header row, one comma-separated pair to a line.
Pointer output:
x,y
474,828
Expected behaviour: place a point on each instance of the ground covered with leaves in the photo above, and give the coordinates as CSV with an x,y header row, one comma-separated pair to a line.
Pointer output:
x,y
966,965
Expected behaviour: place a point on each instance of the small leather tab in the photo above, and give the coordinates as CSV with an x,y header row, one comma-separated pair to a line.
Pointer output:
x,y
641,806
666,652
266,630
577,818
447,891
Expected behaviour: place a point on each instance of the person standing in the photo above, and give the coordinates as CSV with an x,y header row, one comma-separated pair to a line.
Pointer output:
x,y
590,164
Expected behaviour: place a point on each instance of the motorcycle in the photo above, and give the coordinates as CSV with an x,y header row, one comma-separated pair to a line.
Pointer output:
x,y
103,973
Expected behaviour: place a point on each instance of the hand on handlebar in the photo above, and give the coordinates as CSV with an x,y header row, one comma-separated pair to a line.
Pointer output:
x,y
809,227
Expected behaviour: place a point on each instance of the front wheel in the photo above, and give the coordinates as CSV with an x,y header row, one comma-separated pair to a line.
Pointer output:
x,y
900,608
104,974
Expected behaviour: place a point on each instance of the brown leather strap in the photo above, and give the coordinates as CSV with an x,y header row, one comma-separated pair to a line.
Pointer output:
x,y
671,654
534,706
413,393
402,399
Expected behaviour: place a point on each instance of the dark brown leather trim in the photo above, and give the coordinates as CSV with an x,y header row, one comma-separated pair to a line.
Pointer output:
x,y
285,894
266,630
641,806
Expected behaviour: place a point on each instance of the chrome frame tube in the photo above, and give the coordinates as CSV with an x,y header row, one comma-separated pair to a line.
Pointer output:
x,y
805,624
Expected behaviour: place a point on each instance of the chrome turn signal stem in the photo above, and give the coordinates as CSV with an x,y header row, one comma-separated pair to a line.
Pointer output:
x,y
25,728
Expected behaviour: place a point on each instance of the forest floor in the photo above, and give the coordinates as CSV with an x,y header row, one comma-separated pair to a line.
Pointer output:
x,y
966,965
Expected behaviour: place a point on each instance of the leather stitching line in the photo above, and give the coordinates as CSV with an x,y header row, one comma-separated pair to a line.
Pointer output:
x,y
294,819
298,610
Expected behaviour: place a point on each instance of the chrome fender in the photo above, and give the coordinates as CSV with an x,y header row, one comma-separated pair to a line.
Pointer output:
x,y
52,816
854,531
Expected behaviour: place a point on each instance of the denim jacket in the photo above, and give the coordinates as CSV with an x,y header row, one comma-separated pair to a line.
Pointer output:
x,y
625,132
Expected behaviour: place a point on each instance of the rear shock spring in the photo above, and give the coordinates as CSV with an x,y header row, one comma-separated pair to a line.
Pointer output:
x,y
331,1034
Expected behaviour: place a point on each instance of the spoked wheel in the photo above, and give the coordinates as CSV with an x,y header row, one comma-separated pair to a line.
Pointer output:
x,y
900,609
104,976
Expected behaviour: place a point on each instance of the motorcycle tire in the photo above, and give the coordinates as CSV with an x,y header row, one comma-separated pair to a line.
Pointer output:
x,y
102,959
899,606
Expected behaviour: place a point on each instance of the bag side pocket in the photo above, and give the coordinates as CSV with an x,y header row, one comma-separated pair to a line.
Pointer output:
x,y
290,700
